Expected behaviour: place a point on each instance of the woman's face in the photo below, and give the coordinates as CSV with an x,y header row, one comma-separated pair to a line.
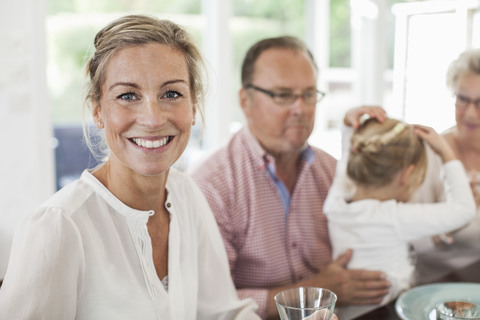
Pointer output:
x,y
467,110
146,109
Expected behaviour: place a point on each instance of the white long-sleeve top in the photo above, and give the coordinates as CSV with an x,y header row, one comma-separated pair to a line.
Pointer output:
x,y
86,255
379,231
434,261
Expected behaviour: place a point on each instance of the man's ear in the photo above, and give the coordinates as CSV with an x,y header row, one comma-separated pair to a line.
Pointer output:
x,y
245,101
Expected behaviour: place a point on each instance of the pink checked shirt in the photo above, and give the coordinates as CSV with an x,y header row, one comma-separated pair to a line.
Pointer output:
x,y
264,249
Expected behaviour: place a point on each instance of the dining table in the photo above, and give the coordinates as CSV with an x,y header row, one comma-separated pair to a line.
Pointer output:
x,y
470,273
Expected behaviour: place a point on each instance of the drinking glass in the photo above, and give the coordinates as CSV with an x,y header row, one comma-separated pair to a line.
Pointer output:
x,y
306,303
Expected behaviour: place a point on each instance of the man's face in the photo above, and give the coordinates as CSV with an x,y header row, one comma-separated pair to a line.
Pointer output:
x,y
280,128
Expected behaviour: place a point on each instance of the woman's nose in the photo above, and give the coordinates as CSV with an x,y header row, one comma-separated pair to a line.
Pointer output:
x,y
152,114
473,108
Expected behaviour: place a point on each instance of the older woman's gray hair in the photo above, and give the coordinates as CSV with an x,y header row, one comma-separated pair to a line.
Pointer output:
x,y
468,62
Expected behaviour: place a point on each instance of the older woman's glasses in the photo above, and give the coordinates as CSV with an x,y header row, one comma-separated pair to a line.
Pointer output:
x,y
287,97
463,102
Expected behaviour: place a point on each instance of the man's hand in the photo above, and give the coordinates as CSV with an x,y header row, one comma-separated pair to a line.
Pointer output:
x,y
353,117
353,286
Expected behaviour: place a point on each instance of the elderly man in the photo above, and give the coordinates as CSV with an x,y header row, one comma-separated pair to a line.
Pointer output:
x,y
267,186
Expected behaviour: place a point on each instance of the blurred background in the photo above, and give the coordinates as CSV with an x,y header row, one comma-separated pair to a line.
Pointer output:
x,y
387,52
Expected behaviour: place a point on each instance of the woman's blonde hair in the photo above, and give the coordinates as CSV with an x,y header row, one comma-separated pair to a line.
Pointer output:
x,y
138,30
379,151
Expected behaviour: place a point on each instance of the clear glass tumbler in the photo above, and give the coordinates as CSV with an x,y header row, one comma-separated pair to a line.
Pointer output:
x,y
306,303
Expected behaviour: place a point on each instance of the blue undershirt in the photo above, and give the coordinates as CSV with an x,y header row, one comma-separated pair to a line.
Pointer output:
x,y
307,155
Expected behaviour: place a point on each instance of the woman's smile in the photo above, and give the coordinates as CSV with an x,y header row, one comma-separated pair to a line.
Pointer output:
x,y
152,143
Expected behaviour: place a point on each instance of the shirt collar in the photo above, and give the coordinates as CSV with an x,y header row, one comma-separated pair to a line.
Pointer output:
x,y
263,158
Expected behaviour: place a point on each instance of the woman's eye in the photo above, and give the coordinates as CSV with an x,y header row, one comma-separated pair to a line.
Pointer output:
x,y
172,95
127,96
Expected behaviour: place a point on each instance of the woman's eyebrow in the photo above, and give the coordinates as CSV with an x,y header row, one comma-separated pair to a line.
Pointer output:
x,y
174,81
136,86
125,84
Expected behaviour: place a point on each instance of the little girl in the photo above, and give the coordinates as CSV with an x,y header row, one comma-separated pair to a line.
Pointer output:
x,y
382,165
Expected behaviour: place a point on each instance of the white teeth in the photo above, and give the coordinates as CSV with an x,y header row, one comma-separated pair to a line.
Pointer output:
x,y
151,144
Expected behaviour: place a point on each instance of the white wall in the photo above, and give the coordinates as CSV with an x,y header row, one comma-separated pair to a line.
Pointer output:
x,y
26,161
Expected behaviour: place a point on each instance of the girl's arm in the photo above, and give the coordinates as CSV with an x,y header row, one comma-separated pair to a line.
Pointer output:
x,y
419,220
438,143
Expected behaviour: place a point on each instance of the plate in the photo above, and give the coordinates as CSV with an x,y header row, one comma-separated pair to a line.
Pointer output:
x,y
419,303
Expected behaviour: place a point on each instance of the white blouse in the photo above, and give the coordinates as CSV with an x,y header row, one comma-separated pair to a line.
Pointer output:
x,y
86,255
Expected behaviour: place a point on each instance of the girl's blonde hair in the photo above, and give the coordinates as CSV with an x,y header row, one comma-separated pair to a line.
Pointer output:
x,y
379,151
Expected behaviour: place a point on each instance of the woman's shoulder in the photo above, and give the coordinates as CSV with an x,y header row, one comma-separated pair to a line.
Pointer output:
x,y
55,214
63,203
72,193
451,136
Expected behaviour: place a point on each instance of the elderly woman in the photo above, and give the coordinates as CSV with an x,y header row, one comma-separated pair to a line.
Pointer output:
x,y
444,253
133,238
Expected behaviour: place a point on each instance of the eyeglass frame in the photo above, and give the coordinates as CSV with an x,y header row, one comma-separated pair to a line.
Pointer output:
x,y
293,97
462,101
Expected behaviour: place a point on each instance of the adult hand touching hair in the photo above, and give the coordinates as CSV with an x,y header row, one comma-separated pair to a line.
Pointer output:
x,y
438,143
353,117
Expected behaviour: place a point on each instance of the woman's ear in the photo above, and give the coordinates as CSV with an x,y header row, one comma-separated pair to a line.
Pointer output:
x,y
96,115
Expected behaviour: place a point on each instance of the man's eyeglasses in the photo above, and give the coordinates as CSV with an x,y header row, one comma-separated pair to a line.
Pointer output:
x,y
287,98
463,102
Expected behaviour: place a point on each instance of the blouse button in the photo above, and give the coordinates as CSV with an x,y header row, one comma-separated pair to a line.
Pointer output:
x,y
169,204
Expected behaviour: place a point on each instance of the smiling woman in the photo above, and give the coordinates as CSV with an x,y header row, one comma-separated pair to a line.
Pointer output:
x,y
145,102
122,242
